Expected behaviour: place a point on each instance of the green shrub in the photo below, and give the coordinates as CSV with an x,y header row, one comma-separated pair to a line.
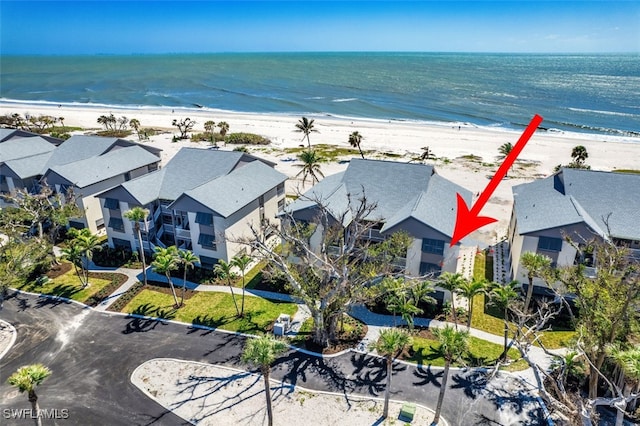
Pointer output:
x,y
114,133
246,139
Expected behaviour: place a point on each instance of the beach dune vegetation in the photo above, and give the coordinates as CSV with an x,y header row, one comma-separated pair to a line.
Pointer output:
x,y
242,138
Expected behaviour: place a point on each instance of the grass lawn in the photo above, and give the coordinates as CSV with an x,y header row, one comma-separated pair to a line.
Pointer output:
x,y
481,353
490,319
68,285
212,309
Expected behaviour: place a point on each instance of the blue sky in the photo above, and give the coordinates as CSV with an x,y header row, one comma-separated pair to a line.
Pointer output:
x,y
109,27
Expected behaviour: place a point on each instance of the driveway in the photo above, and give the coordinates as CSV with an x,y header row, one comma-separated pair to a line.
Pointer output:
x,y
92,355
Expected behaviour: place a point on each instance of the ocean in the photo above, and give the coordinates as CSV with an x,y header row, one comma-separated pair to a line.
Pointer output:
x,y
580,93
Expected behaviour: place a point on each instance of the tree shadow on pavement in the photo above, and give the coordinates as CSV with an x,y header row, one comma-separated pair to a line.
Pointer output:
x,y
23,302
141,325
426,376
50,302
507,395
473,384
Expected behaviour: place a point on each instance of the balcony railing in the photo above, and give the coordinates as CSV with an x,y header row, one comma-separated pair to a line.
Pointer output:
x,y
146,225
184,234
634,255
373,235
590,272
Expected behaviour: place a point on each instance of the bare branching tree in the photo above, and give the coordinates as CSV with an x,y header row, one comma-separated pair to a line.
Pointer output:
x,y
329,261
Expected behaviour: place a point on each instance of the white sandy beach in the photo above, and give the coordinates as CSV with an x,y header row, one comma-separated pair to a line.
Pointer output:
x,y
448,142
206,394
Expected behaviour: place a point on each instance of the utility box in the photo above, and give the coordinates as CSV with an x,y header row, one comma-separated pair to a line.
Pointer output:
x,y
282,325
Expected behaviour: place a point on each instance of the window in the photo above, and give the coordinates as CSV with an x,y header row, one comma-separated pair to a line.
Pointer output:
x,y
120,243
116,224
429,268
204,218
208,262
549,244
433,246
111,204
207,241
280,190
75,224
100,223
281,205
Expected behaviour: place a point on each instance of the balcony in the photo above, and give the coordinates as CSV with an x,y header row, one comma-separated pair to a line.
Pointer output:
x,y
146,225
634,255
184,234
373,235
590,272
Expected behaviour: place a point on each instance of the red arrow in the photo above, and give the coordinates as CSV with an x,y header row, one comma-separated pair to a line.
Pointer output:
x,y
467,220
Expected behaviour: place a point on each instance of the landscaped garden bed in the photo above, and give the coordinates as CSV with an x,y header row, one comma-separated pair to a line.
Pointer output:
x,y
212,309
350,333
62,281
481,353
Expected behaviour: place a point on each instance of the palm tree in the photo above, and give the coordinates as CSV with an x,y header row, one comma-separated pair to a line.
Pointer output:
x,y
469,290
452,282
305,126
164,262
536,265
505,149
501,296
26,379
354,140
209,126
310,166
242,263
137,215
453,345
135,125
73,254
223,269
390,344
263,351
188,260
87,244
224,128
579,154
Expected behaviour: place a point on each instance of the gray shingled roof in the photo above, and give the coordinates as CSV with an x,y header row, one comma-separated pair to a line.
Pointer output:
x,y
24,147
80,147
229,193
83,173
6,133
575,196
400,190
188,169
28,166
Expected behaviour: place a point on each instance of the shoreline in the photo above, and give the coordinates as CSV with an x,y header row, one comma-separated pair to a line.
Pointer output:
x,y
466,155
195,110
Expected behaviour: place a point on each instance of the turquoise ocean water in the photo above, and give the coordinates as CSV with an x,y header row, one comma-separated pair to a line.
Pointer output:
x,y
584,93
